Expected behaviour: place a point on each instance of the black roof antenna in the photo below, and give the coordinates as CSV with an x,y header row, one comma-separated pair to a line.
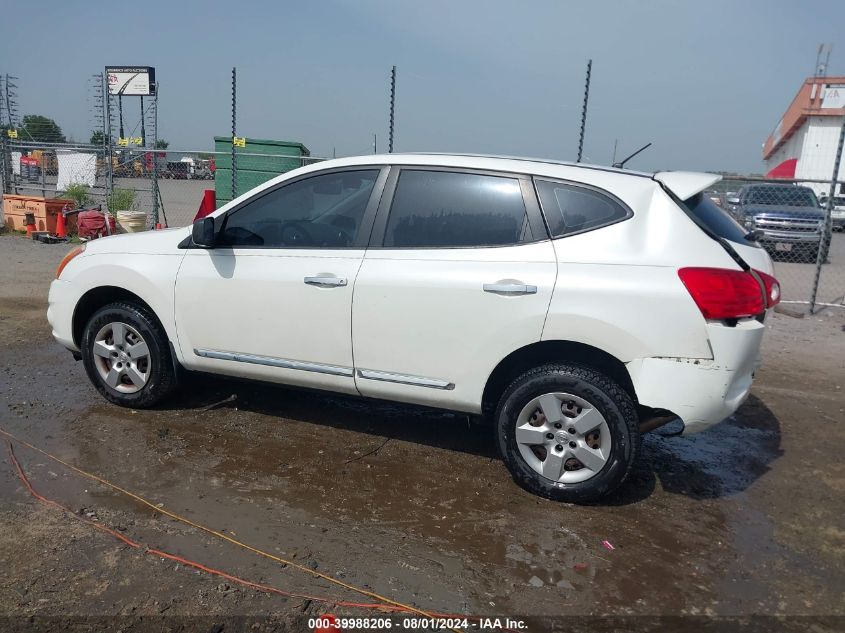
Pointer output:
x,y
621,163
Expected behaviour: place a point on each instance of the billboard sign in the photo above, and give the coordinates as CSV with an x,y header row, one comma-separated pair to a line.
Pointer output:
x,y
833,96
133,81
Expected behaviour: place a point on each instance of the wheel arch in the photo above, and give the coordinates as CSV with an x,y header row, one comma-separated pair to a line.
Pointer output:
x,y
96,298
543,352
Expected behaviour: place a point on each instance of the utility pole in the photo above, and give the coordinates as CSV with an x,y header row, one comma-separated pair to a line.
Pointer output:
x,y
109,146
584,111
234,133
392,108
827,230
375,144
120,112
143,129
156,191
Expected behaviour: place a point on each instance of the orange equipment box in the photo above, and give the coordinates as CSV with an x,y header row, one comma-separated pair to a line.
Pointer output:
x,y
45,210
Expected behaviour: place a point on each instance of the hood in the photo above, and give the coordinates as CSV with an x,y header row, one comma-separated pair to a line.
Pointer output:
x,y
685,184
150,242
783,212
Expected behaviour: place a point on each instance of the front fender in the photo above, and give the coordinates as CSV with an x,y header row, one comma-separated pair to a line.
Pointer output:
x,y
150,277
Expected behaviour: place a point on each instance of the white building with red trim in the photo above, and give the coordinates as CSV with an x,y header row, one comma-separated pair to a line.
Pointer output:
x,y
803,144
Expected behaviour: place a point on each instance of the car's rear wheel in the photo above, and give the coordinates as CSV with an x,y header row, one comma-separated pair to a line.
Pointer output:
x,y
567,432
127,355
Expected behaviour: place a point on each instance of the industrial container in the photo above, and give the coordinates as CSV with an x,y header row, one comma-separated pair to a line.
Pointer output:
x,y
257,162
45,210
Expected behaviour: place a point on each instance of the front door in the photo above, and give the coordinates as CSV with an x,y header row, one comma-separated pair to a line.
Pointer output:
x,y
273,299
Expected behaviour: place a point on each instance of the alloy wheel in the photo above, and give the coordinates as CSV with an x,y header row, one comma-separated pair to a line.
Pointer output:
x,y
122,357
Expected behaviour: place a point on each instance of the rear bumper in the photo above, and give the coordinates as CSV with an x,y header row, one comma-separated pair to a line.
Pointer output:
x,y
702,392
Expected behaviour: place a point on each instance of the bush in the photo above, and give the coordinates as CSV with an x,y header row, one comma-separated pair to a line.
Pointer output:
x,y
121,200
77,192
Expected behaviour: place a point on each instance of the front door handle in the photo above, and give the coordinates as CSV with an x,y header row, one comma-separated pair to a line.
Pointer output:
x,y
325,281
510,288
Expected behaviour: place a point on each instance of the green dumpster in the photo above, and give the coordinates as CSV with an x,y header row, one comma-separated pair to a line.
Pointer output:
x,y
258,161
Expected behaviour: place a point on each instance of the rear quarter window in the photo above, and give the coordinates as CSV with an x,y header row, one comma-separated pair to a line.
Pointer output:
x,y
716,219
573,209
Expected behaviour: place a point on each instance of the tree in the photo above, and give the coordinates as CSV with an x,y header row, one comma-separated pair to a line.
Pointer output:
x,y
97,138
161,144
35,127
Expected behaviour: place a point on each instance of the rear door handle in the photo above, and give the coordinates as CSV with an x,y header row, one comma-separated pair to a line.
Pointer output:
x,y
510,288
325,281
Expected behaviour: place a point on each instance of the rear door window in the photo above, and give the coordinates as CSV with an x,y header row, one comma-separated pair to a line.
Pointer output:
x,y
445,209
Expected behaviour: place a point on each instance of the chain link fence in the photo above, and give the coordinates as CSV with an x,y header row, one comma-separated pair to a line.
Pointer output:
x,y
165,186
184,176
801,228
48,169
796,221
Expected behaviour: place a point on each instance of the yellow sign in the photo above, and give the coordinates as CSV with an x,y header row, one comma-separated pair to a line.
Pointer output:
x,y
239,141
123,142
131,140
12,133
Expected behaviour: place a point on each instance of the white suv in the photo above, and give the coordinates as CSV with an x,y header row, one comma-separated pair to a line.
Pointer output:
x,y
572,304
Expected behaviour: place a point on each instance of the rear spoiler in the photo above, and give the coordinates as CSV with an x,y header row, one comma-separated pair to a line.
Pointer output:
x,y
685,184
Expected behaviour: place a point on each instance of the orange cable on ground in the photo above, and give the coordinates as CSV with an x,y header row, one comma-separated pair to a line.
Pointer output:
x,y
387,601
157,552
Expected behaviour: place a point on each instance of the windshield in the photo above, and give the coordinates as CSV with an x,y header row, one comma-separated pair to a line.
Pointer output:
x,y
781,195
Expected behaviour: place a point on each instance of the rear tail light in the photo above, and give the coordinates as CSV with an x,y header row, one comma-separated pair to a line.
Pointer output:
x,y
772,289
723,294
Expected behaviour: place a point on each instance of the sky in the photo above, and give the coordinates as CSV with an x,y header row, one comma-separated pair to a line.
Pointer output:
x,y
705,82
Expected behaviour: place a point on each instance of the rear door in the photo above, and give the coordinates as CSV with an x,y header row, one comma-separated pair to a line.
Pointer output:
x,y
459,273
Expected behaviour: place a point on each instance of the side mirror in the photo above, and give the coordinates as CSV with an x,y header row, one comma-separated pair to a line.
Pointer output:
x,y
733,200
203,232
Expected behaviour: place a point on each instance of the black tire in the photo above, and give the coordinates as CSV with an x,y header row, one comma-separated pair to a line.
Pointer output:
x,y
162,376
601,392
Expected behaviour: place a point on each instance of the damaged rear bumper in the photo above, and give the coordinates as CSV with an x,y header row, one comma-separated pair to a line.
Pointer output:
x,y
702,392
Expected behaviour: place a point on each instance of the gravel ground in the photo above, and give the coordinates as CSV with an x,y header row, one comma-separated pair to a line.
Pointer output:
x,y
745,519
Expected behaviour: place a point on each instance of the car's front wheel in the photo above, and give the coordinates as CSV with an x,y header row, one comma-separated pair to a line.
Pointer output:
x,y
567,432
127,355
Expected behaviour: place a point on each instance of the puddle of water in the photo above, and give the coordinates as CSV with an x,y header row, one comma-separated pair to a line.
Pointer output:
x,y
429,510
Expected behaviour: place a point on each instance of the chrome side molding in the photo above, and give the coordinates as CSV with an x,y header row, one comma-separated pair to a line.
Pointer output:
x,y
403,379
333,370
282,363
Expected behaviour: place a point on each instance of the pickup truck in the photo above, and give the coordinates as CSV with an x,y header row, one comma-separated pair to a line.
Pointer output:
x,y
837,211
785,219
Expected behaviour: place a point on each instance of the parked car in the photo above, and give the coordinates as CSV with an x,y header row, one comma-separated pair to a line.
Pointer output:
x,y
716,197
732,202
837,213
575,306
787,219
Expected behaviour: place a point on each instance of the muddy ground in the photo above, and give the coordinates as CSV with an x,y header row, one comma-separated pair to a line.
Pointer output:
x,y
745,519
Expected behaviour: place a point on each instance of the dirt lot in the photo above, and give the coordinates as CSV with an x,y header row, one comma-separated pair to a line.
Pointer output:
x,y
745,519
